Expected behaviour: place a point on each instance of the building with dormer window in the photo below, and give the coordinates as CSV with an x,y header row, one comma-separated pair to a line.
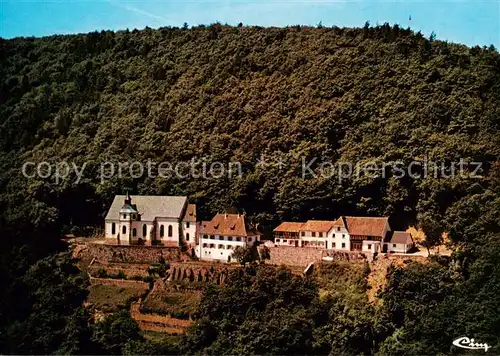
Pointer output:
x,y
219,237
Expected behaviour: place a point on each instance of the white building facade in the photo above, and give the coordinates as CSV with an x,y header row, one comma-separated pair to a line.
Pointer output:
x,y
347,233
218,238
161,220
399,242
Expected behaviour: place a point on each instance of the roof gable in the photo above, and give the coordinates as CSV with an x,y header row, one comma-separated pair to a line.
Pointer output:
x,y
190,214
229,225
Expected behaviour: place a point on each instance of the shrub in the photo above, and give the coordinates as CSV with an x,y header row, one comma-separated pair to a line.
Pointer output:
x,y
101,273
121,275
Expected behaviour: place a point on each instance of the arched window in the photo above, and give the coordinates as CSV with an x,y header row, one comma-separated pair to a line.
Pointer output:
x,y
124,229
187,236
162,231
134,232
169,230
144,230
113,228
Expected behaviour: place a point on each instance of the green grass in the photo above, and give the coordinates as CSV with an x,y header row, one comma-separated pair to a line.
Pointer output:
x,y
177,304
110,298
157,336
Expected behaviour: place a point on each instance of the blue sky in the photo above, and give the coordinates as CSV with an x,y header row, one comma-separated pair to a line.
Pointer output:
x,y
469,22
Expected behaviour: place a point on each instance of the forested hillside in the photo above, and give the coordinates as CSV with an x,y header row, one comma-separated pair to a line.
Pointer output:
x,y
227,94
233,94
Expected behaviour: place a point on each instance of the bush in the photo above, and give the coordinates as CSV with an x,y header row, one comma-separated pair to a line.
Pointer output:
x,y
119,275
366,269
180,315
101,273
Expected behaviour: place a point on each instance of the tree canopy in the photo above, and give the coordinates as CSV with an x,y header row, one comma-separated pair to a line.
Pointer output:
x,y
226,94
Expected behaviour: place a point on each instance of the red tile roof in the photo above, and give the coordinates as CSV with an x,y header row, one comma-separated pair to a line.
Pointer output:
x,y
366,226
400,237
355,225
190,214
318,225
229,225
289,227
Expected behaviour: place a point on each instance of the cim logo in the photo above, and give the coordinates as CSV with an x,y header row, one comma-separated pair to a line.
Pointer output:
x,y
466,343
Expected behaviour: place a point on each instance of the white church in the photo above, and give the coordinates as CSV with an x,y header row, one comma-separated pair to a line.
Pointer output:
x,y
150,220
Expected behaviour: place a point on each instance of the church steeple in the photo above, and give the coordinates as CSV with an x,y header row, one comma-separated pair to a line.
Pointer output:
x,y
128,209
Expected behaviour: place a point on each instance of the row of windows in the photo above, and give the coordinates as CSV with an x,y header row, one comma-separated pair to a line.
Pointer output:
x,y
133,216
144,231
309,243
314,243
227,238
320,234
333,244
221,247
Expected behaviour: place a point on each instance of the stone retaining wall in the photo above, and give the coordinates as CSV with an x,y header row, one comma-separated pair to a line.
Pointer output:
x,y
198,272
125,283
130,272
128,254
302,256
156,322
294,256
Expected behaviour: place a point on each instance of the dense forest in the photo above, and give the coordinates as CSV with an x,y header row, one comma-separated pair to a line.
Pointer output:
x,y
236,94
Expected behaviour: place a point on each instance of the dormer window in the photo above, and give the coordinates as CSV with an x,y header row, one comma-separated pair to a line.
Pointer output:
x,y
124,216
